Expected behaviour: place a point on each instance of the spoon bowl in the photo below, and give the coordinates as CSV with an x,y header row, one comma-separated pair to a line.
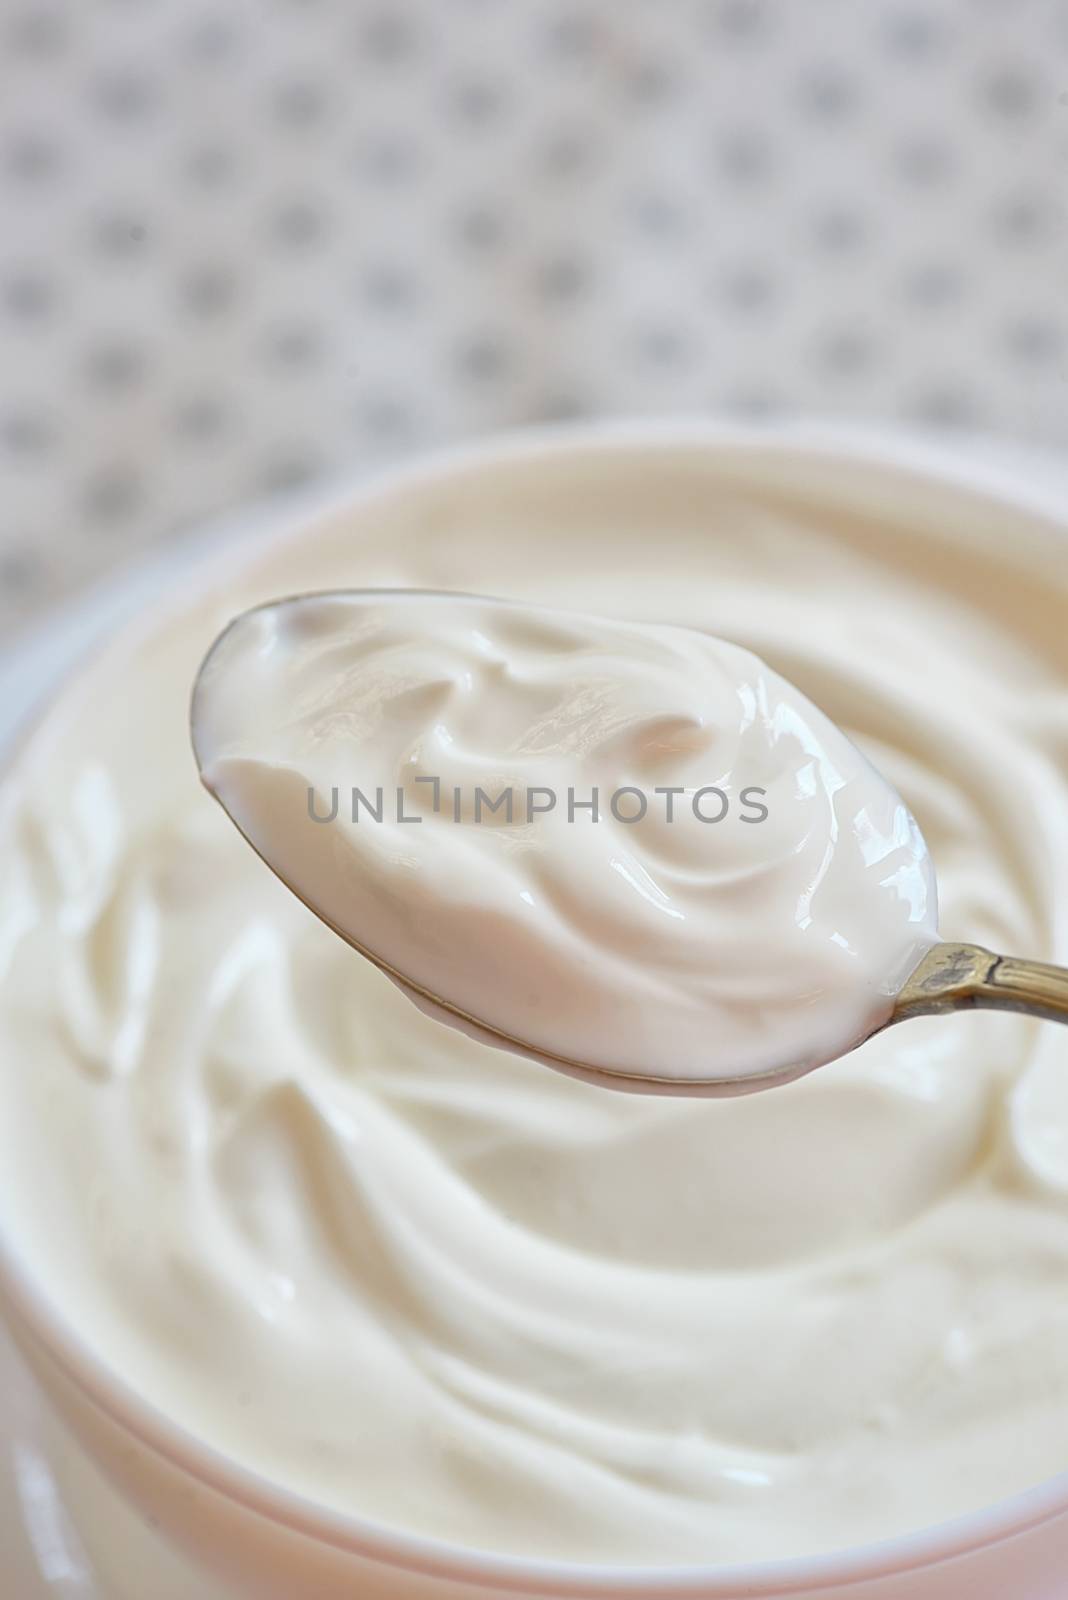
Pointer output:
x,y
933,977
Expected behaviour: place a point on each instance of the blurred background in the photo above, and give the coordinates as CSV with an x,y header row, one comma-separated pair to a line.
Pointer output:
x,y
247,243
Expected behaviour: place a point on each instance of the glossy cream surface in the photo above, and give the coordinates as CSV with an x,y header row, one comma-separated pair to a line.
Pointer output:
x,y
627,845
440,1287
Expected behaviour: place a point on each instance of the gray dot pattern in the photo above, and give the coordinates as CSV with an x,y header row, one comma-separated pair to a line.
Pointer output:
x,y
248,245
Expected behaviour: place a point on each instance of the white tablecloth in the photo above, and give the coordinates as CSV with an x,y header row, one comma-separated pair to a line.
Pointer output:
x,y
249,241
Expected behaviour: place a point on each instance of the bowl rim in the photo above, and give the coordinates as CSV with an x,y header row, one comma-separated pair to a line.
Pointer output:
x,y
199,567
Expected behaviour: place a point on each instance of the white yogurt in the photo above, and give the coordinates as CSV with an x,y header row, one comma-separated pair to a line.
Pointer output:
x,y
442,1287
628,845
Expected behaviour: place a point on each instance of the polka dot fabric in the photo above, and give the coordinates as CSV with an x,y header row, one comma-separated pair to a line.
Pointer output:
x,y
248,242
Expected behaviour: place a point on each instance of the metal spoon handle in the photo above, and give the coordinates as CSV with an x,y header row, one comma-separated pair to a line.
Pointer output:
x,y
959,977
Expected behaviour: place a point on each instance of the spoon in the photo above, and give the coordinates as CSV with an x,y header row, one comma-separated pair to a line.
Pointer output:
x,y
946,976
950,977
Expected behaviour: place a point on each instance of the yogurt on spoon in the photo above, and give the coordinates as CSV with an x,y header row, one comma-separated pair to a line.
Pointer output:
x,y
631,850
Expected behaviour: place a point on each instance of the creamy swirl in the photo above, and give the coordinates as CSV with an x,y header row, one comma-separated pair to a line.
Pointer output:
x,y
627,845
437,1285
